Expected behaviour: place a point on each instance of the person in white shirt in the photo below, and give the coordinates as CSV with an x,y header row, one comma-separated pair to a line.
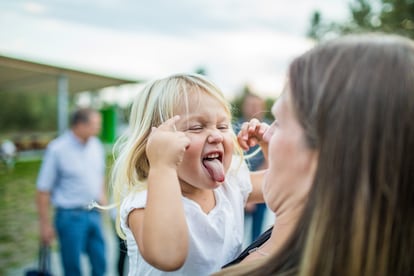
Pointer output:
x,y
181,180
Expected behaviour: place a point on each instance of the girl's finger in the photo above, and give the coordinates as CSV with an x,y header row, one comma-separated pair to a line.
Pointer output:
x,y
170,123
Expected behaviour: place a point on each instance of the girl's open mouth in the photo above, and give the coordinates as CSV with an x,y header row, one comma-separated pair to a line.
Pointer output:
x,y
213,163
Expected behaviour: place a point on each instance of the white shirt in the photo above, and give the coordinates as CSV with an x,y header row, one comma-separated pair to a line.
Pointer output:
x,y
214,239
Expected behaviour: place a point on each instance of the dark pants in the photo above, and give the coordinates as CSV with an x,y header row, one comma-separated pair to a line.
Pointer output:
x,y
257,220
122,255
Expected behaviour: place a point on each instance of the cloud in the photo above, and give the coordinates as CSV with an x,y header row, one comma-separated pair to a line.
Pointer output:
x,y
238,42
34,8
181,17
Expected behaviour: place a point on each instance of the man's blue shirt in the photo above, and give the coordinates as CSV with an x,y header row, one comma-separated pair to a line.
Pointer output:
x,y
73,172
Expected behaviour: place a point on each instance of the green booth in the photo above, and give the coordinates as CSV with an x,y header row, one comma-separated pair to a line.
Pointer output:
x,y
109,124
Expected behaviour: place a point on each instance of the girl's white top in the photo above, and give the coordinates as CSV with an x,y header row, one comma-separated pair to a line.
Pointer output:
x,y
215,238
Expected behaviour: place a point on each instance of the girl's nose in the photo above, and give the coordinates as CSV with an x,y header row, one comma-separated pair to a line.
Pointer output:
x,y
215,137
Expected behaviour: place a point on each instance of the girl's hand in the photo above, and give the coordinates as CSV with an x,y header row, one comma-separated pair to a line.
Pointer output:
x,y
251,134
166,145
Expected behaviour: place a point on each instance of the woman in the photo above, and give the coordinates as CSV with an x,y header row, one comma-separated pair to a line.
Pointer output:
x,y
353,99
293,158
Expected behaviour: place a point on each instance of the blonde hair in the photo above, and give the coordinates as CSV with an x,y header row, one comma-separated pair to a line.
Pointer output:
x,y
156,103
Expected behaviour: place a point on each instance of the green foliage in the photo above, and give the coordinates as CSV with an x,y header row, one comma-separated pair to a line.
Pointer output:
x,y
388,16
25,112
201,71
269,104
236,104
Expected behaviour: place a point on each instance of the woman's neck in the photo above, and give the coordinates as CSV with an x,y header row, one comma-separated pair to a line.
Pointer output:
x,y
284,224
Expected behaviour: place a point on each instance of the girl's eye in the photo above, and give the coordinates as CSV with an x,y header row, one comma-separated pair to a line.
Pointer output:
x,y
223,126
195,128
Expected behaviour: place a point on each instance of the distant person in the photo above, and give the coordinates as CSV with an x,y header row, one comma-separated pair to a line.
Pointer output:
x,y
182,179
71,177
8,153
253,106
345,131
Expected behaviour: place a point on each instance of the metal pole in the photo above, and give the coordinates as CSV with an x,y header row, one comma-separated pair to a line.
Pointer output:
x,y
63,102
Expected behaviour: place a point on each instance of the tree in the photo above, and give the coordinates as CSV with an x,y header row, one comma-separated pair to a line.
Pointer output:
x,y
389,16
201,71
26,112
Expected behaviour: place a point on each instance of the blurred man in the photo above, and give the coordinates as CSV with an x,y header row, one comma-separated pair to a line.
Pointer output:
x,y
71,177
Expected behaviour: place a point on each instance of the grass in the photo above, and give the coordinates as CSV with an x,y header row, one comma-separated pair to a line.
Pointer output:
x,y
19,232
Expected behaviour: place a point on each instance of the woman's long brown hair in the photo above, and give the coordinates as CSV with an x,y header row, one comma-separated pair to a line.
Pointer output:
x,y
354,97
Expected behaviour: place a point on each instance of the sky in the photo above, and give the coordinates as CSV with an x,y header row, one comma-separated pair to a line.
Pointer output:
x,y
237,42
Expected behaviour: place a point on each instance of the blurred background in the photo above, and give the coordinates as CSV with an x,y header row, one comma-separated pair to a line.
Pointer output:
x,y
57,55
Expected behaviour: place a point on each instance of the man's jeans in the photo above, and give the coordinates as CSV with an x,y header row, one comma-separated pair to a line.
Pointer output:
x,y
80,231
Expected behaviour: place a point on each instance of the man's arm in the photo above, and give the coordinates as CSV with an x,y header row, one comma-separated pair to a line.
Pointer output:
x,y
47,232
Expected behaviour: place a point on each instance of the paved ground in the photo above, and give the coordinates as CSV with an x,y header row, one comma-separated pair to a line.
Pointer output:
x,y
112,252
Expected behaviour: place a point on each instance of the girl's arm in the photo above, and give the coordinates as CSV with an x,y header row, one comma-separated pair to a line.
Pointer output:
x,y
251,134
160,229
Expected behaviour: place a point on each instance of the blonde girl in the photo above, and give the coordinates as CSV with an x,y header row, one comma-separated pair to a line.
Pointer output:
x,y
181,180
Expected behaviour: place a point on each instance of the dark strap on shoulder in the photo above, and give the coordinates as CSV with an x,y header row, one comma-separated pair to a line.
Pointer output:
x,y
257,243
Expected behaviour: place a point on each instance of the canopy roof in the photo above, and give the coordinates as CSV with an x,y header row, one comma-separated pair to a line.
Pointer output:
x,y
17,75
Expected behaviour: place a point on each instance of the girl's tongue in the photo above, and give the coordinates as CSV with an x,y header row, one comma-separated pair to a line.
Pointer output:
x,y
215,169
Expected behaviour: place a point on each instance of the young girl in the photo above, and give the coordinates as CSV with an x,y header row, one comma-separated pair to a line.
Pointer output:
x,y
182,190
